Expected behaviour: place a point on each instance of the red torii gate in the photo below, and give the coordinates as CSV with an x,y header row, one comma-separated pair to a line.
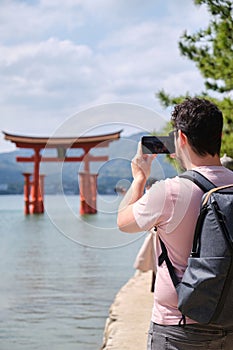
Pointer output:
x,y
34,189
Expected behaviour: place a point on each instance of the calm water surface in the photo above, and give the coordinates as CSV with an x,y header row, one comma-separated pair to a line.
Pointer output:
x,y
60,273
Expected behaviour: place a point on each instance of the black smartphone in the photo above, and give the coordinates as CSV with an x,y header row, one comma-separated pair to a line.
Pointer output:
x,y
158,144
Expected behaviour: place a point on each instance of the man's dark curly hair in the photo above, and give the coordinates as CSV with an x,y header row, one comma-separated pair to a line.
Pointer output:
x,y
201,121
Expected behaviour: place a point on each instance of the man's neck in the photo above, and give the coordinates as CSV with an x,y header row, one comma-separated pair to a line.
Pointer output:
x,y
196,161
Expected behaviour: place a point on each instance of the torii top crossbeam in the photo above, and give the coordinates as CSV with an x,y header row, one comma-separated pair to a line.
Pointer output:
x,y
62,144
54,142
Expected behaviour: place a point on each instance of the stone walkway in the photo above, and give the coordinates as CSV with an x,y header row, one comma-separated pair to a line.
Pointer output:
x,y
129,316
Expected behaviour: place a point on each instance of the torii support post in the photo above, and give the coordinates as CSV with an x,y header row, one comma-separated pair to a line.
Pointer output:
x,y
41,194
29,195
88,190
36,200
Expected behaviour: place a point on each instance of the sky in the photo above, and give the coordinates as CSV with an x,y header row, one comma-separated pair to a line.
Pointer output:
x,y
85,65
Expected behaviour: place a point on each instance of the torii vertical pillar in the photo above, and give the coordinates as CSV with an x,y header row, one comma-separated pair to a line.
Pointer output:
x,y
27,186
29,195
88,190
36,208
34,189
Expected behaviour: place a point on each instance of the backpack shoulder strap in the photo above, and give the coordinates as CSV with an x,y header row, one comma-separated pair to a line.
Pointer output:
x,y
199,179
205,185
164,257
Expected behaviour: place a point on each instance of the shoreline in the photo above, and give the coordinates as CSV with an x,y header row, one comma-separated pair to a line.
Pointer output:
x,y
129,315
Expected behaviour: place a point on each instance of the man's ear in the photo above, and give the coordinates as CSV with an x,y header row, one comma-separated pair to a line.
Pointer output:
x,y
183,138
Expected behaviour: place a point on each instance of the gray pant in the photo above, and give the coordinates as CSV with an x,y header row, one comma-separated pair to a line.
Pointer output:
x,y
189,337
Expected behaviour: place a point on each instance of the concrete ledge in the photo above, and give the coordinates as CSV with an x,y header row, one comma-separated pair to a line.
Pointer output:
x,y
129,315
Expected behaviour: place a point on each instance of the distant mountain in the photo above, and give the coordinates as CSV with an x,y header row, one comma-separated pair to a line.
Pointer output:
x,y
116,172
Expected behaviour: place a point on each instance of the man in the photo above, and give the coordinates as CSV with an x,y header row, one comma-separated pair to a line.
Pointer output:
x,y
172,206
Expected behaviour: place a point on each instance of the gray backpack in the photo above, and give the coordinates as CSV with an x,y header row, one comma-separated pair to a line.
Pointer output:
x,y
205,293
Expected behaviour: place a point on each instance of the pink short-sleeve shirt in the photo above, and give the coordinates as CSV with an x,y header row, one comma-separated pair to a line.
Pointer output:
x,y
172,206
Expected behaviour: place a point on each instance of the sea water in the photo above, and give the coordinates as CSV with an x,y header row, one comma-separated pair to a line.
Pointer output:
x,y
60,272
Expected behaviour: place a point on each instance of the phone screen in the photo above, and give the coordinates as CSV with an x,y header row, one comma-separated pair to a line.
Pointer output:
x,y
158,145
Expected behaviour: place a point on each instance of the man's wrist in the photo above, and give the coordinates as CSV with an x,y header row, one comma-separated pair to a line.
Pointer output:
x,y
140,179
138,187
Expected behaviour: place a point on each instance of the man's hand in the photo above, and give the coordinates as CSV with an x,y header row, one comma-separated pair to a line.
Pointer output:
x,y
141,164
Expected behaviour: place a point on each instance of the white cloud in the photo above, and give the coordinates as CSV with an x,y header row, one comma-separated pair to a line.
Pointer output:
x,y
57,57
41,69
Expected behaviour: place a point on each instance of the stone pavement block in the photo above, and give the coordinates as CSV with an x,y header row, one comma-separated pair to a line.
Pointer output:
x,y
129,316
